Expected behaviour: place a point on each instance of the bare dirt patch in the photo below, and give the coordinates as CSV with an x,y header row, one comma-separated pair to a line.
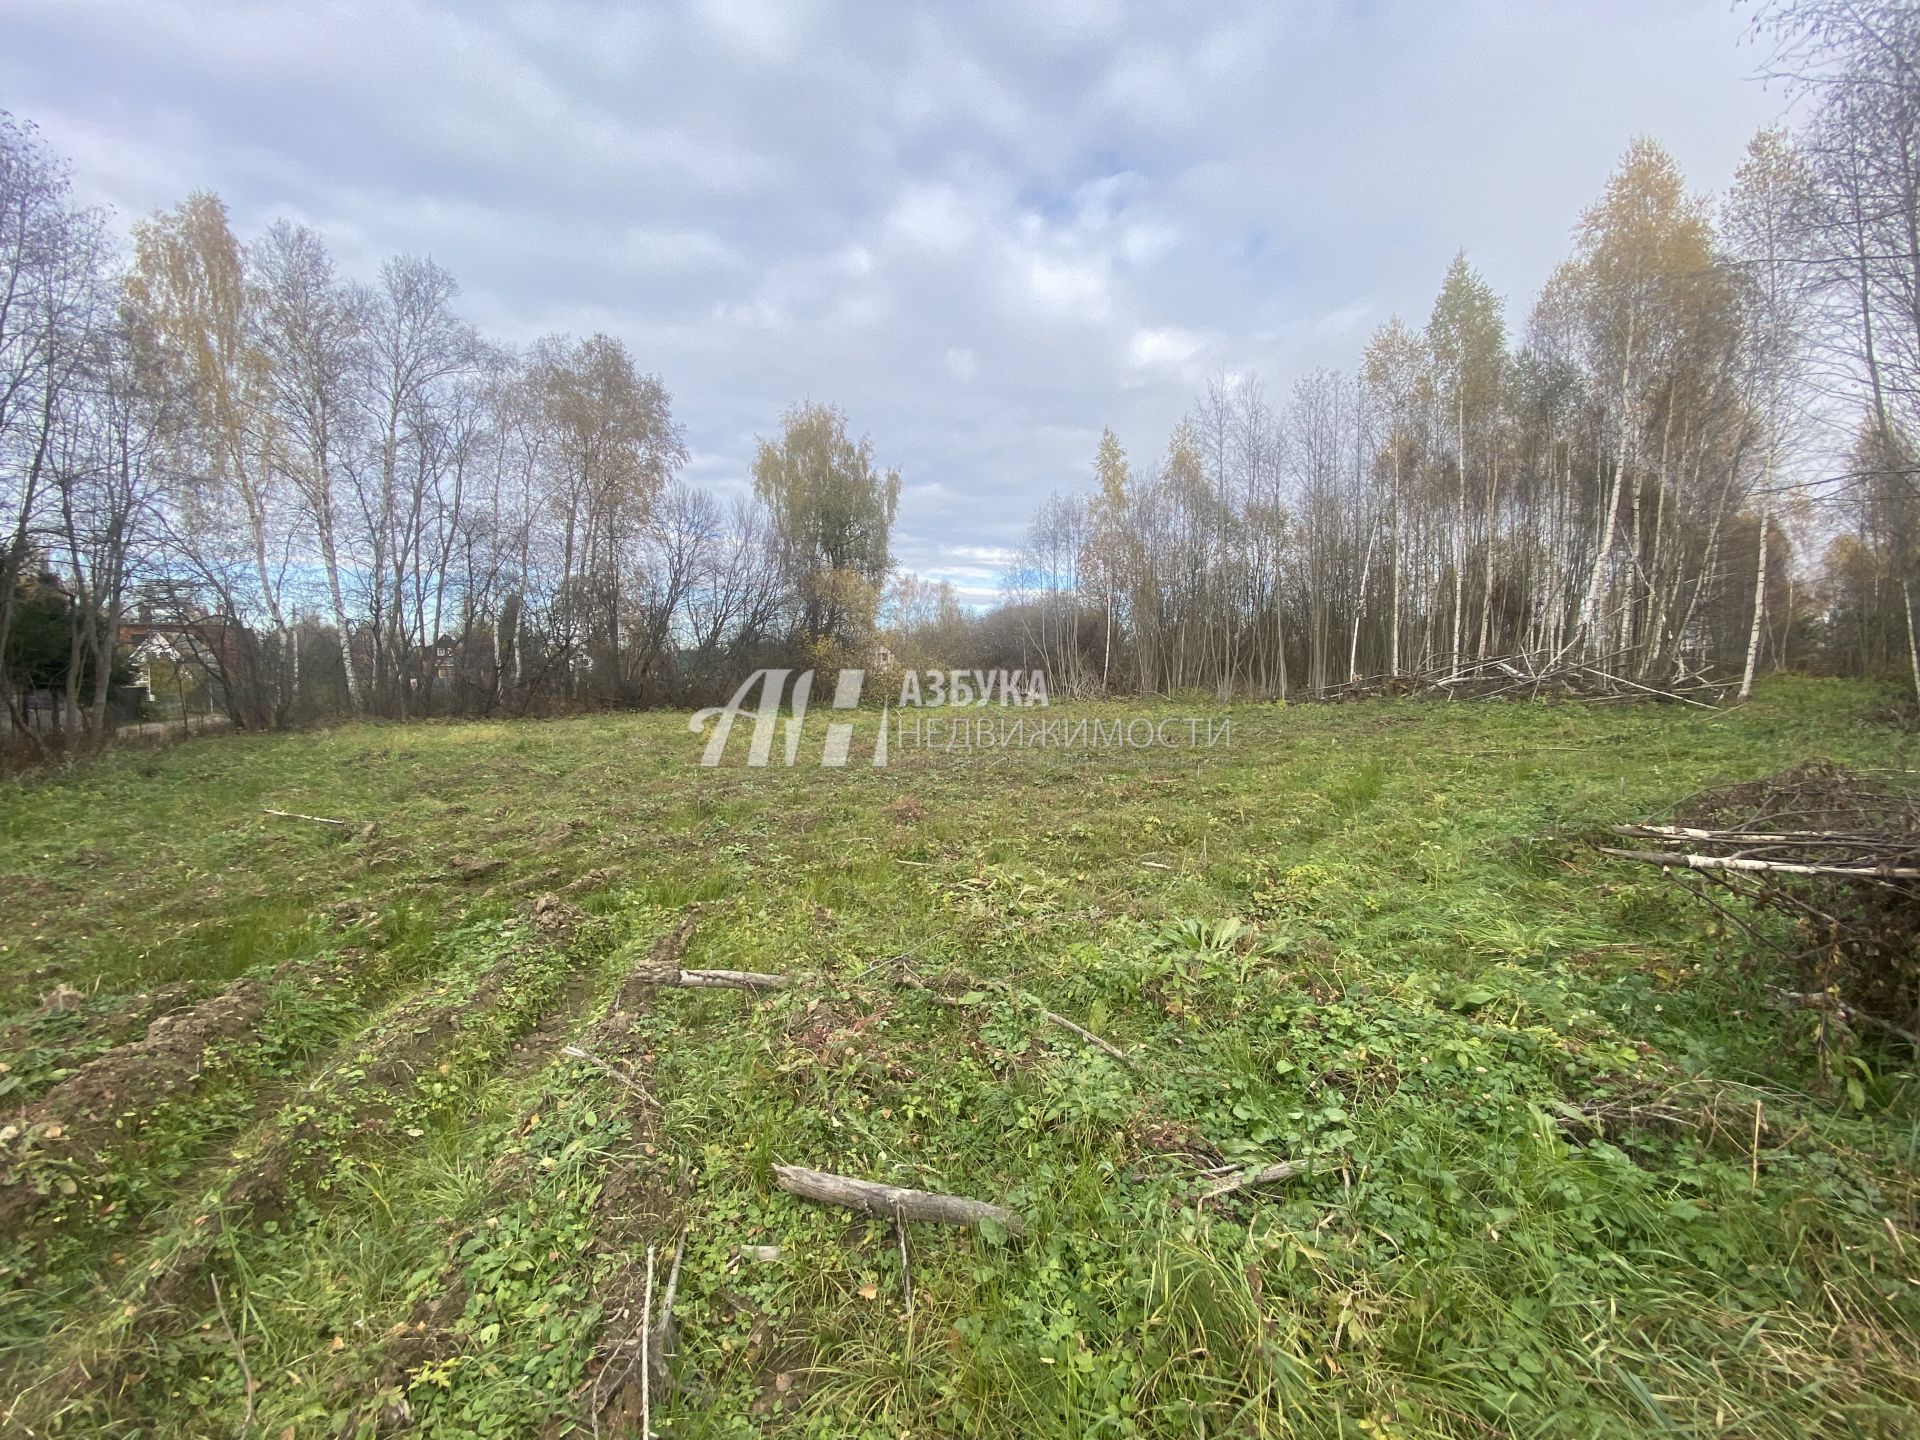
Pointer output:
x,y
88,1111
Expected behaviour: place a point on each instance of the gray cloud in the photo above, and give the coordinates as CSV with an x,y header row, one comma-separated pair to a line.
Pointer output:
x,y
986,231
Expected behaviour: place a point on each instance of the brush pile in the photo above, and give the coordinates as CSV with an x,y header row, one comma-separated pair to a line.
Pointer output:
x,y
1834,851
1534,677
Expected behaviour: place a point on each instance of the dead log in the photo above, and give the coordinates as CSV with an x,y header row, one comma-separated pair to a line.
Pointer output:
x,y
887,1202
662,965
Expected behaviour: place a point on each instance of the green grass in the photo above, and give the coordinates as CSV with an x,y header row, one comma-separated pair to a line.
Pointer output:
x,y
1367,938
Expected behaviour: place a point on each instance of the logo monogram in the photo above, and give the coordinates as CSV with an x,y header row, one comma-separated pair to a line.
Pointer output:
x,y
772,683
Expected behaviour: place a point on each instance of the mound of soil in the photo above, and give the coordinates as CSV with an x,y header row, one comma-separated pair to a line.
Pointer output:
x,y
103,1102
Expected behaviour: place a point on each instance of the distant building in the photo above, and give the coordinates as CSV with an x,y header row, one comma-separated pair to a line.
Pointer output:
x,y
208,648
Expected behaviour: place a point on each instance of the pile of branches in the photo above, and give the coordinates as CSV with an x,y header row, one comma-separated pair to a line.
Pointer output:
x,y
1525,677
1837,852
1530,677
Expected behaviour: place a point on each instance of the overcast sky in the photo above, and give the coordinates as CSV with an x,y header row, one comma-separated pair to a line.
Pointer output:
x,y
985,231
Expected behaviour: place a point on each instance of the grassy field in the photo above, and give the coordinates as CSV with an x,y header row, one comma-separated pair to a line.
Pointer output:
x,y
304,1155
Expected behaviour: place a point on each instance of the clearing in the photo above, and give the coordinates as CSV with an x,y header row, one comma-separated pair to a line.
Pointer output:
x,y
368,1129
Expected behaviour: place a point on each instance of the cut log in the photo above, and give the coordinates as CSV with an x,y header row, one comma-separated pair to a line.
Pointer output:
x,y
662,965
888,1201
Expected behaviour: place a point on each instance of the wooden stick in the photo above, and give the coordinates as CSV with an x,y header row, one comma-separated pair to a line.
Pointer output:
x,y
240,1353
646,1348
1265,1175
906,1276
1085,1034
663,1327
295,815
892,1201
914,982
732,980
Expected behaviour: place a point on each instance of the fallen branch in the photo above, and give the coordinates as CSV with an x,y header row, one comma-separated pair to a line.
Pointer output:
x,y
1729,837
1085,1034
1674,861
914,982
654,1340
310,819
1247,1179
1635,685
1834,852
1845,1013
617,1073
662,966
892,1201
730,980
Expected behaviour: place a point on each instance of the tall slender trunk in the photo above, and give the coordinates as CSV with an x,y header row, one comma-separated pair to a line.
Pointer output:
x,y
1394,642
1106,657
1486,584
1359,613
1596,580
1913,646
1459,538
1759,577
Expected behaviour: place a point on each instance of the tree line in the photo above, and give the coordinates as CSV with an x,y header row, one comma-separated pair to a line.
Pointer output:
x,y
1696,449
329,497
